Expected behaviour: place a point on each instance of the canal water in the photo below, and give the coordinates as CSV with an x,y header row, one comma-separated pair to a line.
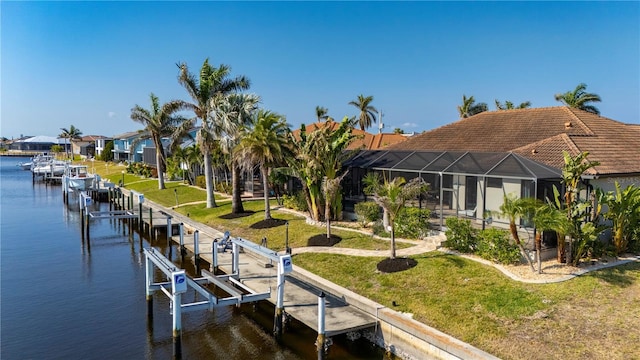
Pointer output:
x,y
65,297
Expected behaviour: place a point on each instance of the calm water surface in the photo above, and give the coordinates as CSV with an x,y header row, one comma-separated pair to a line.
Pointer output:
x,y
63,297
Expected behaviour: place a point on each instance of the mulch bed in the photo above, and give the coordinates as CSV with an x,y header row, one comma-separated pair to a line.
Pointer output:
x,y
236,216
322,240
266,224
389,265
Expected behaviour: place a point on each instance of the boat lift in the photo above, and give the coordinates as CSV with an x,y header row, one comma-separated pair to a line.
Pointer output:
x,y
179,281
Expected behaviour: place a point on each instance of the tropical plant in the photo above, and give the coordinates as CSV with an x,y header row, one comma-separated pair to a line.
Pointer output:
x,y
73,133
367,115
398,131
624,213
494,245
470,108
212,83
513,208
392,197
107,152
508,105
579,98
303,165
263,143
367,212
576,209
56,149
547,217
328,153
322,114
159,121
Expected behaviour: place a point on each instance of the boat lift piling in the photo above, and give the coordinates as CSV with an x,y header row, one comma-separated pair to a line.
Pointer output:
x,y
320,341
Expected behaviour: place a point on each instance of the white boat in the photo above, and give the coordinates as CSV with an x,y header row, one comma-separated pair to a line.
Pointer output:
x,y
77,177
25,165
50,167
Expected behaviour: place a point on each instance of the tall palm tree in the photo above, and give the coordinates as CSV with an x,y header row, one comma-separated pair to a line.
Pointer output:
x,y
367,115
392,197
547,217
508,105
262,143
321,113
579,98
231,113
212,82
470,108
159,122
72,133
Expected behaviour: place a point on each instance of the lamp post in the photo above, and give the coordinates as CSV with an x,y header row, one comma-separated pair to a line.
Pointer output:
x,y
286,239
122,178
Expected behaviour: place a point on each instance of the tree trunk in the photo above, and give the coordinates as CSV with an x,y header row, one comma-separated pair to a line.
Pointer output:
x,y
561,251
516,238
307,197
393,240
160,173
385,219
327,216
538,250
211,201
236,196
265,187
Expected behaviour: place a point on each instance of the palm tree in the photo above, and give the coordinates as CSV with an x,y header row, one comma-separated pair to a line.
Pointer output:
x,y
193,158
212,82
470,108
72,133
262,143
367,115
231,113
513,208
579,99
392,197
321,113
160,122
303,165
508,105
547,217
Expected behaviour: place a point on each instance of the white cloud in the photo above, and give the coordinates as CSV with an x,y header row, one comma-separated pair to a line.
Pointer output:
x,y
410,125
111,114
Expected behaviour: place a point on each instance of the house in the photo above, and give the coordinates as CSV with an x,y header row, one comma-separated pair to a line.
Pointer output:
x,y
123,149
364,140
100,143
39,143
85,146
472,162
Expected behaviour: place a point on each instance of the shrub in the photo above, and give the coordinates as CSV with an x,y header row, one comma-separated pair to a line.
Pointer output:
x,y
224,187
296,201
494,245
412,223
460,235
201,181
367,212
378,229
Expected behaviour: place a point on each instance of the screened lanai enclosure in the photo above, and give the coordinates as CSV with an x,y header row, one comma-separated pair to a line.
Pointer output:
x,y
463,184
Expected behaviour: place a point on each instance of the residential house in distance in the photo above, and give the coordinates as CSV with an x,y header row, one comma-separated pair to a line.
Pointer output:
x,y
472,162
39,144
122,147
85,146
100,143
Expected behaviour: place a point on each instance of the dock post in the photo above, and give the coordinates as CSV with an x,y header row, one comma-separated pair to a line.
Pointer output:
x,y
109,198
177,326
130,200
181,238
196,250
150,224
148,280
141,227
235,265
321,332
214,256
277,320
169,231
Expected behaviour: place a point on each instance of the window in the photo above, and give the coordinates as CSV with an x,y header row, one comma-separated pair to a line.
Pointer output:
x,y
494,182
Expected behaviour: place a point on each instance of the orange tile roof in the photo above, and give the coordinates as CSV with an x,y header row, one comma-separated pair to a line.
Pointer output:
x,y
540,134
364,140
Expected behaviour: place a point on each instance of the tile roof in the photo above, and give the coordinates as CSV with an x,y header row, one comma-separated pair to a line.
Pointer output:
x,y
364,140
540,134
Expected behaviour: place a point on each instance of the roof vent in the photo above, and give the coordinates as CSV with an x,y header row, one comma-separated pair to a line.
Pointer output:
x,y
568,125
534,151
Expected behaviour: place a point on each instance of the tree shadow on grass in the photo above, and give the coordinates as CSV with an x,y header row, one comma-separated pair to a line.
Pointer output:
x,y
322,240
617,275
231,216
266,224
389,265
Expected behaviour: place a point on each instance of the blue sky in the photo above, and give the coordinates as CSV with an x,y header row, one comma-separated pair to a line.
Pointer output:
x,y
89,63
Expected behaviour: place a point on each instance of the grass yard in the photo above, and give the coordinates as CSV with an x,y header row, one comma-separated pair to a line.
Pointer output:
x,y
595,316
